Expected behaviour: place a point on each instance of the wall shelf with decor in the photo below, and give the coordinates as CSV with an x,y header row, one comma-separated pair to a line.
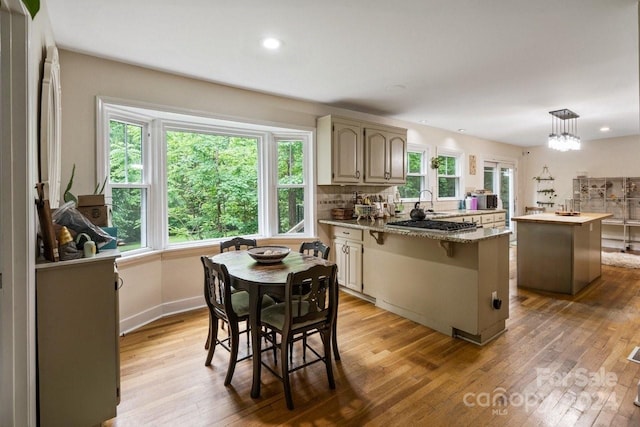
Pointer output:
x,y
545,191
619,196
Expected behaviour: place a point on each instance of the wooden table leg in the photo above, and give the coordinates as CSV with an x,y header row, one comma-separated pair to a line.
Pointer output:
x,y
254,318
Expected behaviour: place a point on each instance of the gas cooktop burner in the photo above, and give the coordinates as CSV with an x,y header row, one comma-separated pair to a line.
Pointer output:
x,y
435,226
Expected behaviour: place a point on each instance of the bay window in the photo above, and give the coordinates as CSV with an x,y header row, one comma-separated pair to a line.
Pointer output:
x,y
177,179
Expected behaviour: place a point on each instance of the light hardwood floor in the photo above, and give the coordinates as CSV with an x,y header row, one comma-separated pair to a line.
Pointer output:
x,y
562,362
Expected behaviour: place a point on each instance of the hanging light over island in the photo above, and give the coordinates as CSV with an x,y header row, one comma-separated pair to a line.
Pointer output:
x,y
564,128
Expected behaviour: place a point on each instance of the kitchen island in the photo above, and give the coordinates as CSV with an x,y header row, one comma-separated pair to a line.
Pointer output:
x,y
559,253
446,281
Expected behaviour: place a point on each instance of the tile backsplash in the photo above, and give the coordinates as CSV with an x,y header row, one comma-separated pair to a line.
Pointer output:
x,y
334,196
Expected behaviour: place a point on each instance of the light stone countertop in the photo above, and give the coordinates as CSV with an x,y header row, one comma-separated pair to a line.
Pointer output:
x,y
379,226
552,218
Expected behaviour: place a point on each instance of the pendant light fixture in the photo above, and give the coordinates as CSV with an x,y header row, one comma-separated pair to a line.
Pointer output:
x,y
564,129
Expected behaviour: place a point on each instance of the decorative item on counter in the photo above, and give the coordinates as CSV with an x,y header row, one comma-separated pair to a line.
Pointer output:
x,y
341,213
70,217
471,203
391,205
365,211
568,209
67,247
89,249
64,236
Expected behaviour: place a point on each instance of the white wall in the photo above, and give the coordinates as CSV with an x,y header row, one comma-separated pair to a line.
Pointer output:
x,y
24,43
152,286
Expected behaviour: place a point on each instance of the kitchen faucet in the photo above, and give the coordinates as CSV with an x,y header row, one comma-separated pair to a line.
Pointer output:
x,y
431,201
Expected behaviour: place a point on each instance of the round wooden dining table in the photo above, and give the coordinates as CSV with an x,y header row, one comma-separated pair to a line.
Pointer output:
x,y
261,279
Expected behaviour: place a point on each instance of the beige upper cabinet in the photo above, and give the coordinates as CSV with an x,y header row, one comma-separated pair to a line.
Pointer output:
x,y
354,152
340,152
385,152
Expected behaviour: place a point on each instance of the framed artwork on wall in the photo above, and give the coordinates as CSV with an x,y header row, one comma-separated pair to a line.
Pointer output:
x,y
472,164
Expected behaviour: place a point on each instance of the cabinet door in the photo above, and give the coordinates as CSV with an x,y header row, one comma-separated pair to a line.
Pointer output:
x,y
340,253
397,159
353,278
77,337
347,153
376,153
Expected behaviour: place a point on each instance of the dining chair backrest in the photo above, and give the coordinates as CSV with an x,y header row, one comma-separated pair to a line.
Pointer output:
x,y
238,243
318,305
217,288
316,248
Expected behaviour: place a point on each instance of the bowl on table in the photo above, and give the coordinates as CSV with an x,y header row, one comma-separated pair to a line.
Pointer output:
x,y
269,254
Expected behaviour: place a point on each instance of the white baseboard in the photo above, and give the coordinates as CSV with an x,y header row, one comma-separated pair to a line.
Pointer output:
x,y
138,320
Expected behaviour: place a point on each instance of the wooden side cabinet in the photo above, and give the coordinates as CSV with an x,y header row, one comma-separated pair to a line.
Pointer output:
x,y
78,359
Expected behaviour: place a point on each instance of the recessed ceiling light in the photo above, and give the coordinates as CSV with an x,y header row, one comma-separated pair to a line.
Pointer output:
x,y
605,129
271,43
423,121
396,88
462,130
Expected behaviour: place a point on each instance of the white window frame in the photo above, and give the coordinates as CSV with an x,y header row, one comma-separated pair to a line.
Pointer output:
x,y
424,172
111,112
306,177
158,120
458,155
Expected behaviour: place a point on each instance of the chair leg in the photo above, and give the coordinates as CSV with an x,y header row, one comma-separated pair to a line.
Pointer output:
x,y
326,340
334,340
206,344
304,347
213,333
284,350
274,348
248,328
234,335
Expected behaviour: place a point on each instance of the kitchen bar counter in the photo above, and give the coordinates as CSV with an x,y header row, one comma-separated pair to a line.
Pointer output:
x,y
380,226
444,281
559,253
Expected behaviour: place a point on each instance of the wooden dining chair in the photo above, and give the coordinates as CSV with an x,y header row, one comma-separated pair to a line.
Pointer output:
x,y
315,311
319,249
237,243
315,248
228,307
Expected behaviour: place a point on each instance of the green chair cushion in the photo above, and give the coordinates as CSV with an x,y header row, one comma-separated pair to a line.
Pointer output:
x,y
240,302
274,315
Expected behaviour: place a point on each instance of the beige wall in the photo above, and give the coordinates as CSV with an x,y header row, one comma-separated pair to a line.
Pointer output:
x,y
174,282
599,158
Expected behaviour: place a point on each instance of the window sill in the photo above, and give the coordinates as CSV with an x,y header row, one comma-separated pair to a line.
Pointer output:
x,y
200,248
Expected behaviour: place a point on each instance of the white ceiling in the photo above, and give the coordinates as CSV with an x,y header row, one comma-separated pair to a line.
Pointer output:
x,y
493,67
